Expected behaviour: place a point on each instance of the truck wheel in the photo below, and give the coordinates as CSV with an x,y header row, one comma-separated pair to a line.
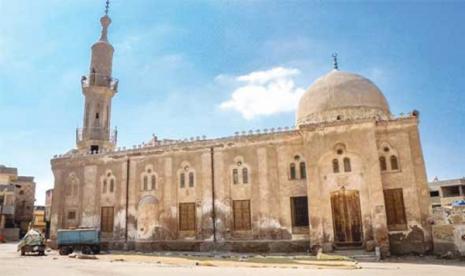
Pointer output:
x,y
86,250
41,253
64,251
23,252
96,249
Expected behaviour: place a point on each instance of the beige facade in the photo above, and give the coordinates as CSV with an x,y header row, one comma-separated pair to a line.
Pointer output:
x,y
16,201
445,192
349,174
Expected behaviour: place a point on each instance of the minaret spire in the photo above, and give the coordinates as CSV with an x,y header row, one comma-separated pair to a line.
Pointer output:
x,y
335,65
105,21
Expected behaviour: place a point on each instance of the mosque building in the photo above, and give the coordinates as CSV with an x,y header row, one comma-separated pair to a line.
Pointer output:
x,y
349,174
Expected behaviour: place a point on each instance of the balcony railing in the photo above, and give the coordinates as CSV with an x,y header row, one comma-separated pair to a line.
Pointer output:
x,y
101,80
97,133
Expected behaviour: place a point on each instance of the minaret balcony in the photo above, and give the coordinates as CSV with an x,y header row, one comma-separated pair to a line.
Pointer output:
x,y
100,80
96,133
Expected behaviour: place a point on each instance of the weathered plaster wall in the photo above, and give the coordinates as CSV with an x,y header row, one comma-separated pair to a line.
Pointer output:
x,y
153,214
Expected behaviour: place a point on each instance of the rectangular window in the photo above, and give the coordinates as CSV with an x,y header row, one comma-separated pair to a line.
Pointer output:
x,y
303,170
235,175
191,179
395,210
241,213
182,180
71,215
106,219
451,191
299,211
187,216
434,193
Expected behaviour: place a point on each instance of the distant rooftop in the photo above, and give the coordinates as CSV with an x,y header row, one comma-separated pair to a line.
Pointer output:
x,y
448,182
7,170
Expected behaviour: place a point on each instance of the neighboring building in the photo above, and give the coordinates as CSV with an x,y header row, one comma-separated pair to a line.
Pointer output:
x,y
38,222
445,192
16,202
48,213
349,174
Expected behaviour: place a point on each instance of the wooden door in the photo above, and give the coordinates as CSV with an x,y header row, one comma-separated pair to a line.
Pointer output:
x,y
347,218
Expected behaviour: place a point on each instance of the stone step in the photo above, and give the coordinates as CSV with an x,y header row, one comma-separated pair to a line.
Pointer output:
x,y
357,254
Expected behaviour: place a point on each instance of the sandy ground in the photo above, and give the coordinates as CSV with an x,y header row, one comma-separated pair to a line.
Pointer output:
x,y
11,263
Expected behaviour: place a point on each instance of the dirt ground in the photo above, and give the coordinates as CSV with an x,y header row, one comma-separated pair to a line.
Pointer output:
x,y
127,263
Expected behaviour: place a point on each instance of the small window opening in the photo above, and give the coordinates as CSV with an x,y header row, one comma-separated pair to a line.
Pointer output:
x,y
303,170
145,183
382,163
191,179
182,180
94,149
112,185
245,176
335,166
235,176
394,163
347,167
292,173
154,182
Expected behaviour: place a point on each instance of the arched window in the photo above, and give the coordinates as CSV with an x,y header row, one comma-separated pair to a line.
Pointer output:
x,y
394,163
104,189
245,176
335,166
235,176
191,179
76,189
347,167
112,185
182,180
382,163
145,183
154,182
303,170
292,173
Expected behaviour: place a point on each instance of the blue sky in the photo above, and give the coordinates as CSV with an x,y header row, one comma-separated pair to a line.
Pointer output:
x,y
185,69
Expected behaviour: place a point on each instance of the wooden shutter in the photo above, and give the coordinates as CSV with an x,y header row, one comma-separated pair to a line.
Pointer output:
x,y
187,216
395,210
241,213
106,219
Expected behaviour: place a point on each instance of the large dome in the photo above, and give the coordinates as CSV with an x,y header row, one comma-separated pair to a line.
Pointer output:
x,y
341,96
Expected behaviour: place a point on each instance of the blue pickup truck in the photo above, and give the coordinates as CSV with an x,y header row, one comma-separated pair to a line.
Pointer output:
x,y
86,240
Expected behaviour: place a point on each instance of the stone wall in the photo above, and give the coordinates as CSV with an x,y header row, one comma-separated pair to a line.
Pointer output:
x,y
449,231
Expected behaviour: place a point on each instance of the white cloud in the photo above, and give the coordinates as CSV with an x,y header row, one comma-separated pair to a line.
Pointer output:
x,y
265,93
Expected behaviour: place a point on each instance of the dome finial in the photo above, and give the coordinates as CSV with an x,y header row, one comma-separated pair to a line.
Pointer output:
x,y
335,66
107,6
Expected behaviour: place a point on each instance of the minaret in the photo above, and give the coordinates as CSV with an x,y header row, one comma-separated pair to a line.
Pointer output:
x,y
98,88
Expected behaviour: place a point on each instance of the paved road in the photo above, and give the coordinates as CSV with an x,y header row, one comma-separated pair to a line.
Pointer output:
x,y
53,264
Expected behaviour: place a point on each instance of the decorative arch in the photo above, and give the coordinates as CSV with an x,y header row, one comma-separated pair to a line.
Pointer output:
x,y
388,158
148,179
340,159
297,168
108,182
186,176
240,171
